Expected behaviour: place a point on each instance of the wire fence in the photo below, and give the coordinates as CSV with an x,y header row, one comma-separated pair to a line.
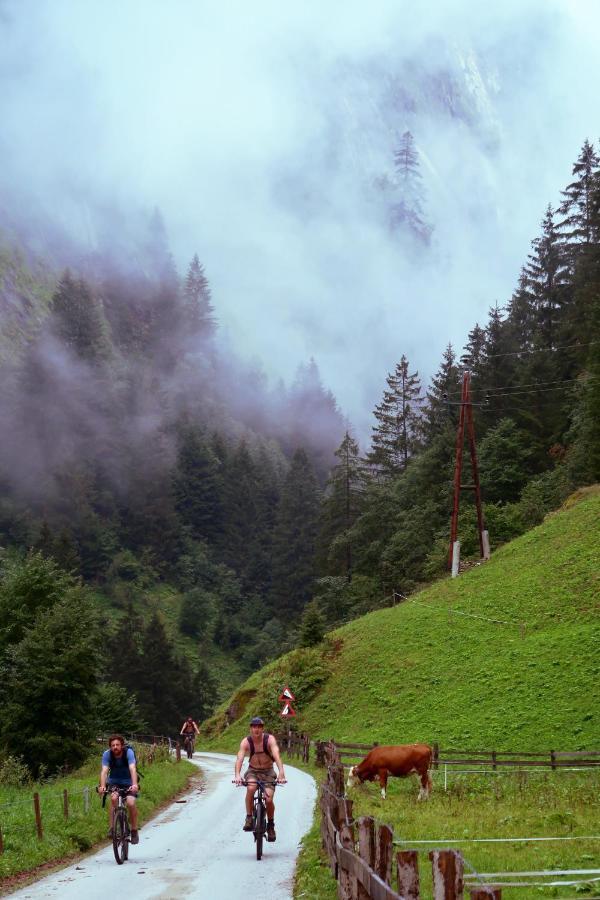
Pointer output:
x,y
48,809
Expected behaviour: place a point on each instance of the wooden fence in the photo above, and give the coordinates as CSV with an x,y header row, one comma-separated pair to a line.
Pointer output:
x,y
331,751
27,815
361,857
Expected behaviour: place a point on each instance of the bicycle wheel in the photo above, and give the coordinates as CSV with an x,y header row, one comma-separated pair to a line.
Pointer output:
x,y
120,837
260,824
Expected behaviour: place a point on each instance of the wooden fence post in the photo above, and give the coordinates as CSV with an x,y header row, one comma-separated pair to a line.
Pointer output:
x,y
1,841
366,848
553,758
383,853
344,811
346,881
407,869
448,869
436,755
177,752
86,799
485,893
38,816
319,753
66,804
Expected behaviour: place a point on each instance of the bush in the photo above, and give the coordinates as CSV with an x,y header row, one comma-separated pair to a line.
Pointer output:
x,y
14,772
544,494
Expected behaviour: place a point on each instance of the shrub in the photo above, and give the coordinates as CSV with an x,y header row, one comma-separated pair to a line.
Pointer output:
x,y
14,772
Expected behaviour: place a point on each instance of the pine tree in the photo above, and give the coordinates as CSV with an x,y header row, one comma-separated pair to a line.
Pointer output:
x,y
397,435
341,507
312,626
407,211
496,371
546,276
79,320
295,538
197,486
48,687
522,317
444,391
199,311
240,510
577,206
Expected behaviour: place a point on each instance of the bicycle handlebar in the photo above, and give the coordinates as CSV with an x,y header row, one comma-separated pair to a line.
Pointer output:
x,y
258,781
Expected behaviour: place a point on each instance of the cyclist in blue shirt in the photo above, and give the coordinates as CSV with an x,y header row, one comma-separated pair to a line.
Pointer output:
x,y
119,769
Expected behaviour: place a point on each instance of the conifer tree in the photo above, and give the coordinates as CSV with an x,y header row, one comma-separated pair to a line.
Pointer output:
x,y
407,211
199,311
444,391
240,510
312,626
197,486
78,319
397,433
577,205
341,507
546,276
295,536
496,372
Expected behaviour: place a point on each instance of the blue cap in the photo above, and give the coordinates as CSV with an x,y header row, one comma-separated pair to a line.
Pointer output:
x,y
256,721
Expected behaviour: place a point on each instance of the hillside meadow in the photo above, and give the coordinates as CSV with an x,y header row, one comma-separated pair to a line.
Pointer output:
x,y
505,657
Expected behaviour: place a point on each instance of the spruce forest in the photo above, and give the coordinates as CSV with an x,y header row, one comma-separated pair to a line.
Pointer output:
x,y
170,521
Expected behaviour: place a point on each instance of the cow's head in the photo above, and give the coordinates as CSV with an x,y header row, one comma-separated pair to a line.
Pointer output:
x,y
353,777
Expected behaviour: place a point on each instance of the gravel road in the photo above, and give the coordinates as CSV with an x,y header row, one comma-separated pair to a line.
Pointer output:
x,y
197,848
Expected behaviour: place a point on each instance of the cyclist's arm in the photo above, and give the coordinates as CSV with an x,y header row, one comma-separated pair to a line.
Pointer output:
x,y
274,748
134,777
103,777
239,760
132,770
196,728
182,727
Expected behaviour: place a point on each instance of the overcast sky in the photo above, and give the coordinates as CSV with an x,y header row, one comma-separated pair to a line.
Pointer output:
x,y
259,129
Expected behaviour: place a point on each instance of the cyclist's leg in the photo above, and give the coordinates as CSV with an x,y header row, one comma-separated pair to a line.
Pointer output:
x,y
250,791
114,799
269,791
132,810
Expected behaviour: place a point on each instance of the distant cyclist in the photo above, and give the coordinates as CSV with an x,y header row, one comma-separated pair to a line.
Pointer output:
x,y
263,751
119,770
189,730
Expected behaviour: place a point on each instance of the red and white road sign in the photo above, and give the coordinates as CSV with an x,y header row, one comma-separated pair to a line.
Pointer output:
x,y
287,711
286,695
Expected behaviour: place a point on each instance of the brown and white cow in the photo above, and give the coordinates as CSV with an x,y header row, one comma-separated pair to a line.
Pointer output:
x,y
406,759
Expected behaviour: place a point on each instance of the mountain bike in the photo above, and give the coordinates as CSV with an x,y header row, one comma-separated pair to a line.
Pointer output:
x,y
188,745
121,831
259,812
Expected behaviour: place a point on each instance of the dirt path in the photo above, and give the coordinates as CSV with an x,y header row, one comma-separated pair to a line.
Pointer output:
x,y
196,848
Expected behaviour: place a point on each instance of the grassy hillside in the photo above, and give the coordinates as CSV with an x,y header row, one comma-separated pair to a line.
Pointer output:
x,y
436,668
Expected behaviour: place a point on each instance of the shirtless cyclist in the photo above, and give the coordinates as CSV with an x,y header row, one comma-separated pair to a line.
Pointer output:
x,y
263,751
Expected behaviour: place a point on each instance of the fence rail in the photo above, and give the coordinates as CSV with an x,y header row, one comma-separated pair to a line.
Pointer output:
x,y
332,751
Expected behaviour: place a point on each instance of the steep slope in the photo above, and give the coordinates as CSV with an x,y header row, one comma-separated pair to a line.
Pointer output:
x,y
506,657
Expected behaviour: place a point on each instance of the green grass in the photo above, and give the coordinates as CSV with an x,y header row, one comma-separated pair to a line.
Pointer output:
x,y
428,670
436,669
507,805
65,838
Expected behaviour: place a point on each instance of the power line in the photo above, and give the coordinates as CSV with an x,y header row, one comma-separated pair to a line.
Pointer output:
x,y
487,390
539,350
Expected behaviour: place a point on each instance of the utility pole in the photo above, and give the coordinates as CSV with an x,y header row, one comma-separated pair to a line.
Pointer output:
x,y
466,415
